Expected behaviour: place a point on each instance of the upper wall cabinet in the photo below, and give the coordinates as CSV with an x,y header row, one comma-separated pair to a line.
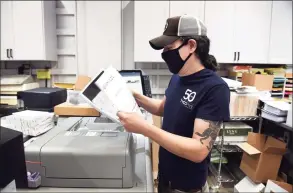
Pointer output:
x,y
219,20
147,26
239,30
281,33
194,8
28,30
142,21
252,30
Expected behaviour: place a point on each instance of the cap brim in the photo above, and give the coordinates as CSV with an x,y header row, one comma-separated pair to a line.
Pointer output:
x,y
162,41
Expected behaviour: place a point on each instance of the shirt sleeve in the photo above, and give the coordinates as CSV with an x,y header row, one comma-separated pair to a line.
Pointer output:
x,y
215,105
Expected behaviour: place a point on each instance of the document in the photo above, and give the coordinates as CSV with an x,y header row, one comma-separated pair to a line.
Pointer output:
x,y
108,94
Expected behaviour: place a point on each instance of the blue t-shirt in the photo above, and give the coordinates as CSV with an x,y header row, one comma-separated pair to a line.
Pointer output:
x,y
202,95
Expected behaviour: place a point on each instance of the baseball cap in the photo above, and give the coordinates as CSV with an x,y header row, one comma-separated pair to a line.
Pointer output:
x,y
177,27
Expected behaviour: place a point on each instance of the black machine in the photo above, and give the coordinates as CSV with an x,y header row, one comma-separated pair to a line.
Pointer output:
x,y
41,99
12,159
137,81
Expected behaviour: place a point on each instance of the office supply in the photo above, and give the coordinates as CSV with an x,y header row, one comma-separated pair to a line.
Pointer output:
x,y
243,104
108,93
32,123
42,98
272,117
78,152
279,108
12,84
235,132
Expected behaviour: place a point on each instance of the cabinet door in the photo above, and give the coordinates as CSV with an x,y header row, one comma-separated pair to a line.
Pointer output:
x,y
28,30
252,25
149,22
281,33
103,35
194,8
219,21
6,29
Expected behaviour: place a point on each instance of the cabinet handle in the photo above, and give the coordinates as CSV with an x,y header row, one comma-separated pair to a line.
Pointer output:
x,y
11,53
234,56
7,53
238,56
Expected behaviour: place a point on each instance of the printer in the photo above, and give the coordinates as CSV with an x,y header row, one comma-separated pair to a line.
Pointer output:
x,y
83,153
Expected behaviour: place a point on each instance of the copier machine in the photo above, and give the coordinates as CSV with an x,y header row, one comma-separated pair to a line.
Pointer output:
x,y
83,152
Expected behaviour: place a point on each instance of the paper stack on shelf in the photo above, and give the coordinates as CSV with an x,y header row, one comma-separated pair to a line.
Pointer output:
x,y
278,87
289,85
235,132
275,111
243,104
12,84
32,123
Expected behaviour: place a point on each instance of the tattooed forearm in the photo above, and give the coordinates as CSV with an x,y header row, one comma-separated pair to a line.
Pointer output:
x,y
210,133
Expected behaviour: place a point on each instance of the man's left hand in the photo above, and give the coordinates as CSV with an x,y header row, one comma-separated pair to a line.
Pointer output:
x,y
132,122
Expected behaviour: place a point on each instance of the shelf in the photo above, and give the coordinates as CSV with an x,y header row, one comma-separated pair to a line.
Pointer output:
x,y
228,148
226,176
240,118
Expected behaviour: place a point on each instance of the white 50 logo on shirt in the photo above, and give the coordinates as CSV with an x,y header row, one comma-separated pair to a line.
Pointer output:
x,y
187,99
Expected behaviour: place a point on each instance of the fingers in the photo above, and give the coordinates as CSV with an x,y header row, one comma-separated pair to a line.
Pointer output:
x,y
122,115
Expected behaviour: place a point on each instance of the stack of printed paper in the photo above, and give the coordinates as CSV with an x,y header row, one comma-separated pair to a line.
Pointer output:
x,y
108,94
28,122
275,111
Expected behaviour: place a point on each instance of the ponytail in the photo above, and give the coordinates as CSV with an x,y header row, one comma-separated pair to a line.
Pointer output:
x,y
202,52
211,63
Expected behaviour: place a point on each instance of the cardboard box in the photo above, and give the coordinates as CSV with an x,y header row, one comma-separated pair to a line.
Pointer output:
x,y
262,157
261,82
276,186
247,185
67,109
81,108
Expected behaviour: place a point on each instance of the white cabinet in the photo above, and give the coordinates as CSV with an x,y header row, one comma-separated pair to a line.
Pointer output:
x,y
252,30
194,8
6,29
149,22
281,33
102,35
32,28
219,20
239,30
142,21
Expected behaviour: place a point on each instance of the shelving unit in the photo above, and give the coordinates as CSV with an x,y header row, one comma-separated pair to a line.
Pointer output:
x,y
223,149
288,87
278,87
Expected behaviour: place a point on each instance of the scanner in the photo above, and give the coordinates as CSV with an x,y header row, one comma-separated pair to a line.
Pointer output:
x,y
83,152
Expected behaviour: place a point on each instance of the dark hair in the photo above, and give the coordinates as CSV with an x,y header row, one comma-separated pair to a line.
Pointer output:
x,y
202,51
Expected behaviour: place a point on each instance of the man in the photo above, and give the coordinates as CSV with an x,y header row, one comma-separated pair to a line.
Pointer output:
x,y
195,104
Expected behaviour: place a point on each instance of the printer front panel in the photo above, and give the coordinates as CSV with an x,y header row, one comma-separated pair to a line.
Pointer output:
x,y
78,155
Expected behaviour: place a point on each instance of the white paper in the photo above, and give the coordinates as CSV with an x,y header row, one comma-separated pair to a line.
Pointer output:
x,y
114,95
281,105
32,123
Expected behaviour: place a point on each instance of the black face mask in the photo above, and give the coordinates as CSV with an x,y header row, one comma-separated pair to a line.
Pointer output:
x,y
174,60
